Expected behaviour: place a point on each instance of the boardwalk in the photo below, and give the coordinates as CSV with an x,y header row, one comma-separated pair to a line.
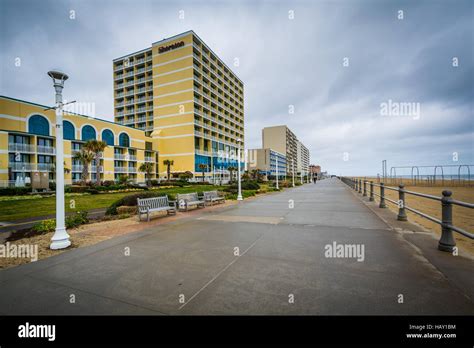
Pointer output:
x,y
263,256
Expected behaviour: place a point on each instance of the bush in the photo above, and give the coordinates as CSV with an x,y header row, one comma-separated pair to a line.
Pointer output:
x,y
77,219
52,186
72,221
14,191
246,185
131,201
45,226
92,191
108,183
154,182
78,189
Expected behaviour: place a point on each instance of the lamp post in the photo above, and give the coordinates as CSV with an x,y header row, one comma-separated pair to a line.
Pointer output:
x,y
239,195
277,173
60,238
293,169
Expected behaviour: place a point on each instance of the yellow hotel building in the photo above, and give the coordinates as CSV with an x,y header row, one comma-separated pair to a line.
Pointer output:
x,y
27,144
181,94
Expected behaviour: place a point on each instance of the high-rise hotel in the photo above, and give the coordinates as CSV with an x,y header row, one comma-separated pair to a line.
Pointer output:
x,y
183,95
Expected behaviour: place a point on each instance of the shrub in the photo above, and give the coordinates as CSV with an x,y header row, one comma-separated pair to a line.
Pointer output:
x,y
246,185
14,191
131,201
92,191
52,186
154,182
108,183
79,218
78,189
45,226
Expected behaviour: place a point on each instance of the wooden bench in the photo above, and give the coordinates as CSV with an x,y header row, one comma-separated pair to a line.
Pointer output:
x,y
213,196
187,200
149,205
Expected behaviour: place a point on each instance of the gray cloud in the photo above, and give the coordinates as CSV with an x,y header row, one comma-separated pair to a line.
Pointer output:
x,y
282,62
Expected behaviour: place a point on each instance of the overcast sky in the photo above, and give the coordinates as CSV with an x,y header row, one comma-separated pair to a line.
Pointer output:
x,y
335,64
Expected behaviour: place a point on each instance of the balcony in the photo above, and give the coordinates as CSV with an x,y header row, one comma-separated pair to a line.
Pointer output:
x,y
22,166
45,167
132,169
149,159
120,169
119,156
16,147
46,149
132,158
77,168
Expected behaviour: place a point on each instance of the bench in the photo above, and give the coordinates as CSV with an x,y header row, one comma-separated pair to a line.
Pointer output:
x,y
189,199
149,205
213,196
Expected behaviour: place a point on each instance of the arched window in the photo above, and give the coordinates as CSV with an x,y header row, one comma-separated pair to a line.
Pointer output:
x,y
38,124
124,140
108,137
88,133
69,132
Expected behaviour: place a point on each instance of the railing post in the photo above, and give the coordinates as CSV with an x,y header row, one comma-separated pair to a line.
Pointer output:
x,y
355,184
360,186
365,189
382,196
371,198
446,242
402,215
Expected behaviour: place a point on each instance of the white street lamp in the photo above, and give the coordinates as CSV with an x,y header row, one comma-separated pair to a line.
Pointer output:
x,y
277,173
60,239
293,169
239,195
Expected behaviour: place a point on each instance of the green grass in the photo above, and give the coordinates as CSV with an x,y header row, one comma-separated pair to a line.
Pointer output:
x,y
27,208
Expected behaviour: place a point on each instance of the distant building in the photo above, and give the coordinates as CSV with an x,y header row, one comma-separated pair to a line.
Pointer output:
x,y
314,169
283,140
266,162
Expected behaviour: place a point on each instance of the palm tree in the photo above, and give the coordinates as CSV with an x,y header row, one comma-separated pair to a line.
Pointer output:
x,y
147,168
168,164
96,147
202,167
85,157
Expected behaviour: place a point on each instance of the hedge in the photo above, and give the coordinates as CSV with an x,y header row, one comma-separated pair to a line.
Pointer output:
x,y
131,201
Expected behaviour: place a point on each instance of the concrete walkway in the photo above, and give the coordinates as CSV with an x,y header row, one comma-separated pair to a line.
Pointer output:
x,y
263,256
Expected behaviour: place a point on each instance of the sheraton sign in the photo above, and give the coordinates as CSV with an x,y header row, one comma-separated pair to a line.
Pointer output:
x,y
163,49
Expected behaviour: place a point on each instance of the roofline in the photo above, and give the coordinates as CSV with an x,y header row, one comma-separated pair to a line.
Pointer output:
x,y
71,113
131,54
177,36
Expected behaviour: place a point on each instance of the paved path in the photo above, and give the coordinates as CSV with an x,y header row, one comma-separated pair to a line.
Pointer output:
x,y
281,257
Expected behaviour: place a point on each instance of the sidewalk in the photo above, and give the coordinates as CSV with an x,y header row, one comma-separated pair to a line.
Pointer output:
x,y
251,258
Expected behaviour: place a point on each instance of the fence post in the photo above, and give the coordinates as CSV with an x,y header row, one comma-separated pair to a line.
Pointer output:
x,y
365,189
446,242
402,215
360,186
355,184
371,198
382,196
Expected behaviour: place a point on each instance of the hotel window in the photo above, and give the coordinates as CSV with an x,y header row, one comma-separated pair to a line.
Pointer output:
x,y
18,139
45,159
45,142
20,158
124,140
68,130
88,133
38,124
108,137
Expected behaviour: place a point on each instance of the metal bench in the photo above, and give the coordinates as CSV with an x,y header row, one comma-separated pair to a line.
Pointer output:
x,y
213,196
149,205
186,200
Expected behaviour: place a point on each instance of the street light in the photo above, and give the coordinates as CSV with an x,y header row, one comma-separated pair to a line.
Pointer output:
x,y
239,195
60,239
293,168
277,173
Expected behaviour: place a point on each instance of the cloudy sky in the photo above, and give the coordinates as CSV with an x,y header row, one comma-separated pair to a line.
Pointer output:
x,y
357,81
